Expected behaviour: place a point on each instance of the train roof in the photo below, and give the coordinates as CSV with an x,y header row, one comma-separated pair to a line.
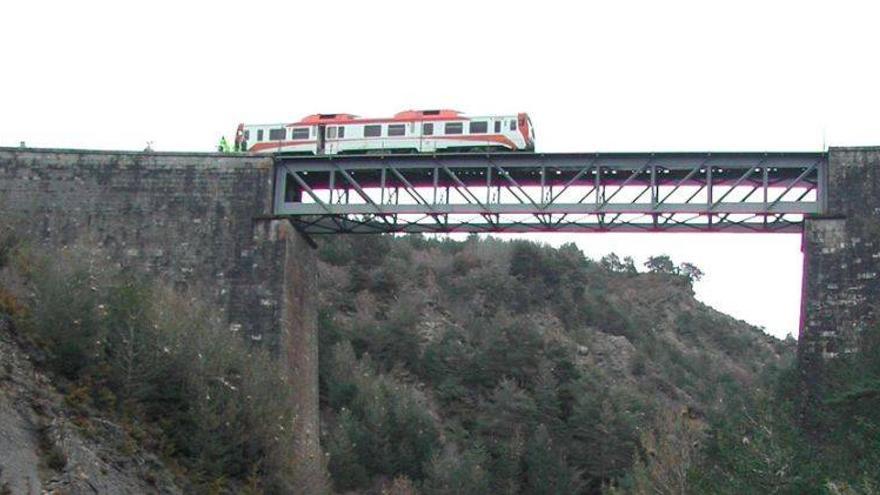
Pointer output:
x,y
349,118
404,116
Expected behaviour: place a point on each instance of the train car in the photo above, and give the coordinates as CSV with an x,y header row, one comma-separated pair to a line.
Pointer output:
x,y
411,131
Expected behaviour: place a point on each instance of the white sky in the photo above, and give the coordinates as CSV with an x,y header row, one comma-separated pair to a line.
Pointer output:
x,y
594,76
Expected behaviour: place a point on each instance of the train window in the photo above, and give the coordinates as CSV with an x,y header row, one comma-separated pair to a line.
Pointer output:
x,y
397,130
512,125
300,133
341,132
247,135
497,126
454,128
277,134
428,128
259,134
331,133
372,130
479,127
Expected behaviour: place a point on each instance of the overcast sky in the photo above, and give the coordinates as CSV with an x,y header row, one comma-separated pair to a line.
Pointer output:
x,y
594,76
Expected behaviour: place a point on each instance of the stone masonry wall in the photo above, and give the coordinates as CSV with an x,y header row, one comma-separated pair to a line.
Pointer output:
x,y
196,221
842,263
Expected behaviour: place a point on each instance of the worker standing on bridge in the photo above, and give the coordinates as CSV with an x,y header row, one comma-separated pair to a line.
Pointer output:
x,y
224,146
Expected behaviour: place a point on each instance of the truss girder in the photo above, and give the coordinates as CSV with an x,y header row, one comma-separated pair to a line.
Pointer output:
x,y
589,192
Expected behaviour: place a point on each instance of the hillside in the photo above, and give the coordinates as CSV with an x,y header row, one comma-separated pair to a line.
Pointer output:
x,y
446,367
508,367
53,445
113,383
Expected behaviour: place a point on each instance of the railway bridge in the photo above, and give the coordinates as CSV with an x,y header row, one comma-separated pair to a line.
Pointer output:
x,y
236,229
570,192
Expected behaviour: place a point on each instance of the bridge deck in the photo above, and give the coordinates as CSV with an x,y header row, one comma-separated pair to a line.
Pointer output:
x,y
525,192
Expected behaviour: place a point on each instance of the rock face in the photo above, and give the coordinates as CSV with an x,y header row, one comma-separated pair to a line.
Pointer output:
x,y
841,264
19,461
42,450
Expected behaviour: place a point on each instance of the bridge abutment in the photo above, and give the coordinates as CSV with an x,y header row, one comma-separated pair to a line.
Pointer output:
x,y
195,221
842,266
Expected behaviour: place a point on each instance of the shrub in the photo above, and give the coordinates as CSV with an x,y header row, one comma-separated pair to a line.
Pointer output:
x,y
55,458
222,406
458,473
382,427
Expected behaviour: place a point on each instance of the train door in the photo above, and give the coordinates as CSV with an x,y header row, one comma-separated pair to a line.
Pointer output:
x,y
320,139
427,142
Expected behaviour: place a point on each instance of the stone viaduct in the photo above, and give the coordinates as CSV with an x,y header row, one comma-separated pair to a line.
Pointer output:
x,y
200,222
203,222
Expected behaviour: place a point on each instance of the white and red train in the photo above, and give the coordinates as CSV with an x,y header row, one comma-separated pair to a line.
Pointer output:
x,y
412,131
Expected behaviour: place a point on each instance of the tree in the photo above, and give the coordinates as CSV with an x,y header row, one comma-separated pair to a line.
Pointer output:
x,y
133,346
510,411
660,264
525,260
603,428
691,271
547,471
507,466
612,263
757,447
454,473
345,466
382,427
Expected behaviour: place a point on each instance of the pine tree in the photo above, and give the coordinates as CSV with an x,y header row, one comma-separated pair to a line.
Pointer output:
x,y
344,449
510,412
454,473
547,471
547,398
507,467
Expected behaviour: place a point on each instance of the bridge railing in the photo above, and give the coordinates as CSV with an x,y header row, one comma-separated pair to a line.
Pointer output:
x,y
513,192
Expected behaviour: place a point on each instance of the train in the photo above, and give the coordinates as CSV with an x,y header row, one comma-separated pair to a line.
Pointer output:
x,y
410,131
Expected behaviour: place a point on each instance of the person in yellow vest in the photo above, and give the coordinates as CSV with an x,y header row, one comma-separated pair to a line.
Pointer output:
x,y
224,146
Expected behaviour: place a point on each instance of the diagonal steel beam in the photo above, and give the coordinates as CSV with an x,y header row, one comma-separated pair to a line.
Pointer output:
x,y
793,183
459,183
734,186
414,193
583,171
688,177
626,182
513,181
358,189
509,178
309,190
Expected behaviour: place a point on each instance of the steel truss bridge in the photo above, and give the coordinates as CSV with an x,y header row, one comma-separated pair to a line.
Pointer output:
x,y
544,192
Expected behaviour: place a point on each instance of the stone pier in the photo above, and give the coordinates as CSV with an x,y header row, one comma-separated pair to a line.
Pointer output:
x,y
197,221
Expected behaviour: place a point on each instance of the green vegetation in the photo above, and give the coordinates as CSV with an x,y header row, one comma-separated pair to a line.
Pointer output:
x,y
460,368
158,362
528,369
838,451
762,443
